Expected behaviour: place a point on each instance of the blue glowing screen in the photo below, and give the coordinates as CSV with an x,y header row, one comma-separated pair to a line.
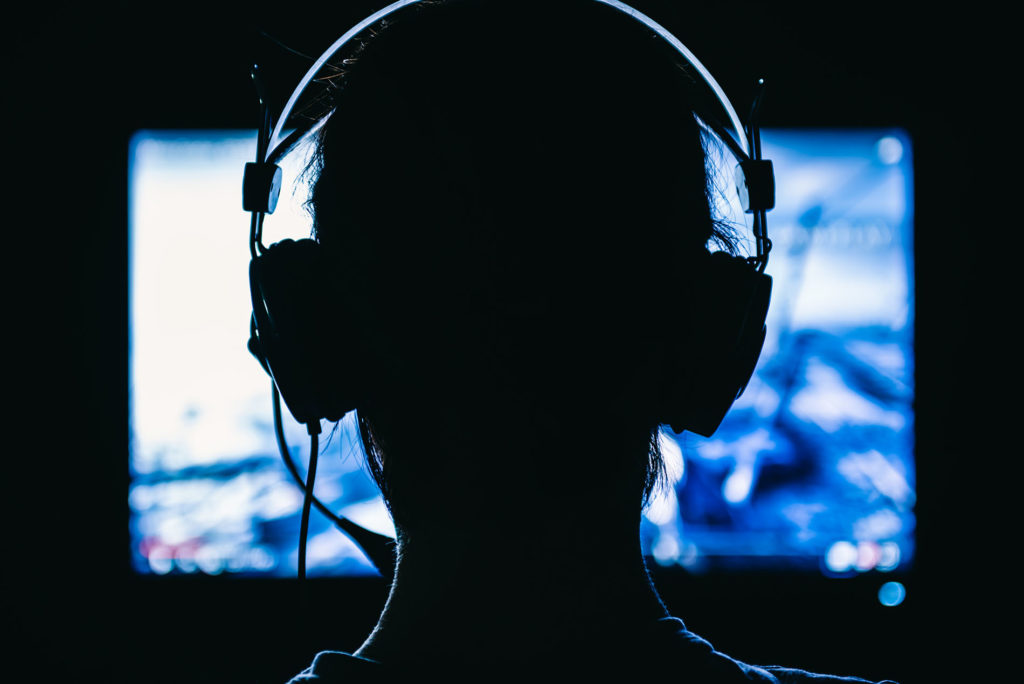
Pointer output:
x,y
812,470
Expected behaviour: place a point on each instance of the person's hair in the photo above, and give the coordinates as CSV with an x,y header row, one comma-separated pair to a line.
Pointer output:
x,y
527,179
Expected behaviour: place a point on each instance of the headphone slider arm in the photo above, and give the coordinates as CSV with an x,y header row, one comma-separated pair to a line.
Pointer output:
x,y
755,182
261,187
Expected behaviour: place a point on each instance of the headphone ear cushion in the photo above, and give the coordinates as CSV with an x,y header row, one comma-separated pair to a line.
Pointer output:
x,y
291,301
726,334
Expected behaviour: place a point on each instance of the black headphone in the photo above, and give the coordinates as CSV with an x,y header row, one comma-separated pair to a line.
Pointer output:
x,y
289,285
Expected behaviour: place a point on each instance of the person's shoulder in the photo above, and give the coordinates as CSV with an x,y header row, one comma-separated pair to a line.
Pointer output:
x,y
699,654
337,667
786,675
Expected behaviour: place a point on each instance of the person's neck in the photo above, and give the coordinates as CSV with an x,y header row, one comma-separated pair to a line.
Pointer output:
x,y
560,589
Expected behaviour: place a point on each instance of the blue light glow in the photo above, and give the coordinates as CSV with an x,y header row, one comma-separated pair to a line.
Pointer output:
x,y
813,468
892,594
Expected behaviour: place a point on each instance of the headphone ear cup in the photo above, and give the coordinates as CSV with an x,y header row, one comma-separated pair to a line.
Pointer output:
x,y
291,301
726,335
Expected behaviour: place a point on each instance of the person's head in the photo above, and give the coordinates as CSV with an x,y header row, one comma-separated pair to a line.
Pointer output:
x,y
512,195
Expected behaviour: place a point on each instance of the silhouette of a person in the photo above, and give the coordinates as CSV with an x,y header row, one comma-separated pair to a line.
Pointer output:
x,y
515,203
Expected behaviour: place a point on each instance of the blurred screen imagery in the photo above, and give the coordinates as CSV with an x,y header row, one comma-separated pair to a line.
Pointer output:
x,y
812,470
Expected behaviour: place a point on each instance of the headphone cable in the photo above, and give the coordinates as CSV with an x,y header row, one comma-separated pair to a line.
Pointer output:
x,y
378,548
307,500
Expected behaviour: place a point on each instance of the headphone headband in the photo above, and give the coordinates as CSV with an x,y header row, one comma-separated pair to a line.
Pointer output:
x,y
287,134
288,291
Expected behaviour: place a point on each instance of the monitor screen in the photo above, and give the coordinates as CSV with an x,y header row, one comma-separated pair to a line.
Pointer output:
x,y
811,471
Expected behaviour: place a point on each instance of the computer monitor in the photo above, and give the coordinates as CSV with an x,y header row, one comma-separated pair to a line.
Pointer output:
x,y
812,471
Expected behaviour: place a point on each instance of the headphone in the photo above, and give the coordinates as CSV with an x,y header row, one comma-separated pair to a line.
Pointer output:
x,y
290,286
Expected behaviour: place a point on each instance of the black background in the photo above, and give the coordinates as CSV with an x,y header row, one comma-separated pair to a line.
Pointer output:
x,y
80,79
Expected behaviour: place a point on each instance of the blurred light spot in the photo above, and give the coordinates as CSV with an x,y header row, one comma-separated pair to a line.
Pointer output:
x,y
282,498
868,554
666,551
209,560
186,564
664,506
140,498
886,357
175,530
889,150
765,399
257,558
160,560
841,556
745,451
889,557
892,594
879,525
737,486
261,558
802,515
690,556
830,403
872,471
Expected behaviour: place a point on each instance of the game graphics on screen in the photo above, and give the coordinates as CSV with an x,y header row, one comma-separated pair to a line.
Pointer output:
x,y
812,469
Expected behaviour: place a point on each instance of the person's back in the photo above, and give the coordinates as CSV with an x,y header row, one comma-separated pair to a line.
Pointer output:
x,y
514,202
